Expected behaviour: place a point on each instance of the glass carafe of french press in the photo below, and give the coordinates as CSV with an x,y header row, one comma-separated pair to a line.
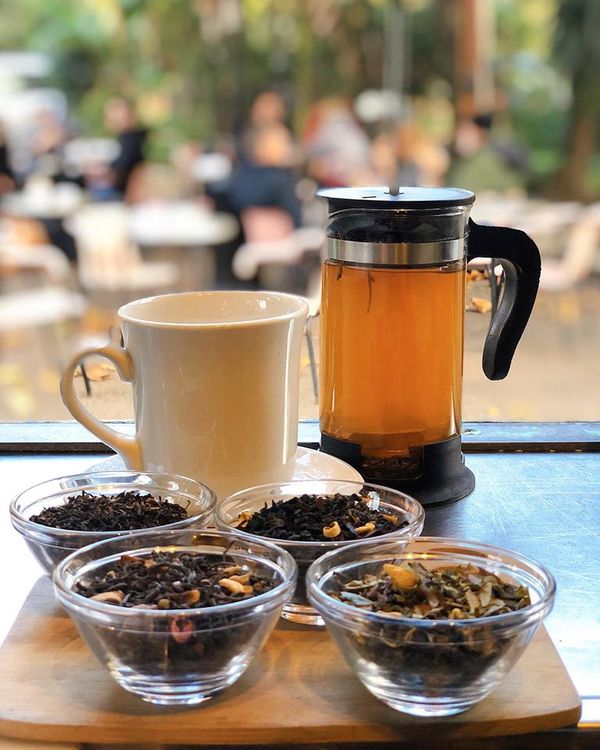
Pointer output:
x,y
392,319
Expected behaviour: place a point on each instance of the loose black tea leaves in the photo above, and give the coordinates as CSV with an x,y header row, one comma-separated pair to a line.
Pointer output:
x,y
321,518
173,580
461,592
185,632
122,512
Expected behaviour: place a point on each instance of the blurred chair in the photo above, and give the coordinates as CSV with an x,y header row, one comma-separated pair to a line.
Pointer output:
x,y
551,218
492,271
560,276
109,264
46,310
45,261
264,224
564,277
274,251
579,257
39,307
35,282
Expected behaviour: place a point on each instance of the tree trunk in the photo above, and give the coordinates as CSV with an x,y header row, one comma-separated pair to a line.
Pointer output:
x,y
570,180
303,66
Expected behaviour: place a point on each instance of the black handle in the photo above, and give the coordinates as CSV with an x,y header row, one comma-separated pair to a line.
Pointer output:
x,y
519,256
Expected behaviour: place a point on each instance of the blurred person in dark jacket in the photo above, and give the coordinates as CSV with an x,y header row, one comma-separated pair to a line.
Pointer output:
x,y
7,177
264,178
119,117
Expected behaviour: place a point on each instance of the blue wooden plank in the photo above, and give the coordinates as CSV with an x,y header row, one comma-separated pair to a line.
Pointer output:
x,y
18,437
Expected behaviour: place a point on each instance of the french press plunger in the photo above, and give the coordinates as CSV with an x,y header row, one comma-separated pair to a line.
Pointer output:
x,y
392,321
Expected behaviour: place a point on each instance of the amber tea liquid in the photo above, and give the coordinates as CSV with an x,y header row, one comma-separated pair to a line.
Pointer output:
x,y
391,355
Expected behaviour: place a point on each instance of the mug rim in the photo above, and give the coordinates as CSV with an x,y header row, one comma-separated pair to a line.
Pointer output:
x,y
125,314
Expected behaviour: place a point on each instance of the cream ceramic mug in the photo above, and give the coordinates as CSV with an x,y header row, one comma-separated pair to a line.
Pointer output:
x,y
215,380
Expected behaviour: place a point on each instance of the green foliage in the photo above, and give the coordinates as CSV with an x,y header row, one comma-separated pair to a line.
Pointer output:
x,y
593,175
525,25
431,41
577,51
194,66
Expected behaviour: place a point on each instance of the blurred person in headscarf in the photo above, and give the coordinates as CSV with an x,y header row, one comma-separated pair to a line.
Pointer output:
x,y
268,109
409,156
337,148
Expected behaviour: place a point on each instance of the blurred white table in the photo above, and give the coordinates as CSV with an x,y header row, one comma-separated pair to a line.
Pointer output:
x,y
546,222
186,228
42,200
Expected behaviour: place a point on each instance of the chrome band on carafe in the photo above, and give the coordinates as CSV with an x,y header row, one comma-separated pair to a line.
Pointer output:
x,y
395,253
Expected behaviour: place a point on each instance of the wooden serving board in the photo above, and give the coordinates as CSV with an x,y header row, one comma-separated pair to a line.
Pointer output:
x,y
298,690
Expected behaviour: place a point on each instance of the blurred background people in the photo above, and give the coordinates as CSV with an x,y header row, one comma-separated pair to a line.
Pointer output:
x,y
495,96
264,177
7,177
482,163
409,156
268,108
49,140
337,148
120,119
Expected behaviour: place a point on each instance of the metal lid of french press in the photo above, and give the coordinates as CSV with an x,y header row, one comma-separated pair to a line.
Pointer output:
x,y
405,197
372,248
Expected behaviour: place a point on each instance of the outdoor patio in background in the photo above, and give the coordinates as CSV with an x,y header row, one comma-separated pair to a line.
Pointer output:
x,y
151,147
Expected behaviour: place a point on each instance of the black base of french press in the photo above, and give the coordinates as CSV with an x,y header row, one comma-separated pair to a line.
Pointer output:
x,y
435,474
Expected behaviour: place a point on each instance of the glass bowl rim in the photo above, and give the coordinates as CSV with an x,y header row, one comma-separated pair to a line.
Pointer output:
x,y
102,535
545,600
419,520
83,602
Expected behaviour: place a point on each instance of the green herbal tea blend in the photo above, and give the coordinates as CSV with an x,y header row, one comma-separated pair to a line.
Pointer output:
x,y
322,518
455,593
173,580
124,511
458,639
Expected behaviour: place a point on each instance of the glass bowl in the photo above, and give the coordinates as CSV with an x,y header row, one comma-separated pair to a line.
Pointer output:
x,y
298,609
176,656
51,545
429,667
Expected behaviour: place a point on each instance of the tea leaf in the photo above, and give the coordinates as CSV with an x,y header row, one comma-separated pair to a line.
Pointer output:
x,y
317,518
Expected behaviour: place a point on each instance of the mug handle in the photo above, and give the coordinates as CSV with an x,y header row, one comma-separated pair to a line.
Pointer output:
x,y
128,447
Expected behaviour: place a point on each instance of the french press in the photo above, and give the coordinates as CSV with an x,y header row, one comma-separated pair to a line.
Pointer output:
x,y
392,320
